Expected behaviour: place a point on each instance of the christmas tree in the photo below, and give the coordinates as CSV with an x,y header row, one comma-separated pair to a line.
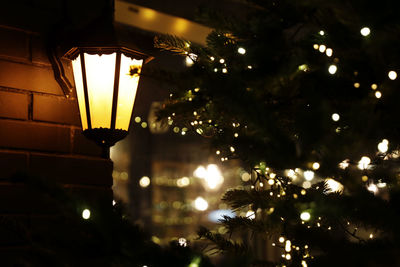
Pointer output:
x,y
305,94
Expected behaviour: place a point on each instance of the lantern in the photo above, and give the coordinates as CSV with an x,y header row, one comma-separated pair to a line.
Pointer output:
x,y
106,81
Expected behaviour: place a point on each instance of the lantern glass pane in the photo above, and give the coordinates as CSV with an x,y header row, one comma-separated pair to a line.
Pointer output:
x,y
100,72
128,83
77,68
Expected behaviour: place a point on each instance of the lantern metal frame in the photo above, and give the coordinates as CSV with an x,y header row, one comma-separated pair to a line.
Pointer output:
x,y
105,137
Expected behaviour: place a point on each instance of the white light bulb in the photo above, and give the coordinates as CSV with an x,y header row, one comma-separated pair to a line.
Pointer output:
x,y
329,52
200,172
383,146
315,166
392,75
332,69
305,216
322,33
322,48
335,117
378,94
86,214
364,162
365,31
144,181
241,50
221,60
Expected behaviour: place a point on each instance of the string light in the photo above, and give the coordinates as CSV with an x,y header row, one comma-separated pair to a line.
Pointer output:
x,y
222,61
86,214
335,117
364,162
305,216
332,69
356,85
316,46
144,181
322,48
333,186
308,175
315,166
365,31
383,146
392,75
322,33
329,52
378,94
374,86
241,50
200,204
281,239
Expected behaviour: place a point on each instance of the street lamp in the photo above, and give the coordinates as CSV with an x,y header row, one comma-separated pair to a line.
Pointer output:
x,y
106,81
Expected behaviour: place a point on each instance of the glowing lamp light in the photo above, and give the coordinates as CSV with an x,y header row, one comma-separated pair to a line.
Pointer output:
x,y
106,81
250,214
241,50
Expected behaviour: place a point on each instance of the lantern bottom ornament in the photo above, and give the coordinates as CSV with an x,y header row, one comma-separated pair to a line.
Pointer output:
x,y
105,138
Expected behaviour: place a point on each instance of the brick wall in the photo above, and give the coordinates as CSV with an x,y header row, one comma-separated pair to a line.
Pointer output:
x,y
40,134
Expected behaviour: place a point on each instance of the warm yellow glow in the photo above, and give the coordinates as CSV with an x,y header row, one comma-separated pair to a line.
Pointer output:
x,y
374,86
148,14
214,178
128,83
77,67
182,182
308,175
357,85
180,25
100,72
200,172
200,204
315,166
281,239
288,246
144,181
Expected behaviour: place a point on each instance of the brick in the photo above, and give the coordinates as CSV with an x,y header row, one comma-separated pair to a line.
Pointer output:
x,y
28,77
12,163
82,145
14,44
70,170
56,109
28,135
13,105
